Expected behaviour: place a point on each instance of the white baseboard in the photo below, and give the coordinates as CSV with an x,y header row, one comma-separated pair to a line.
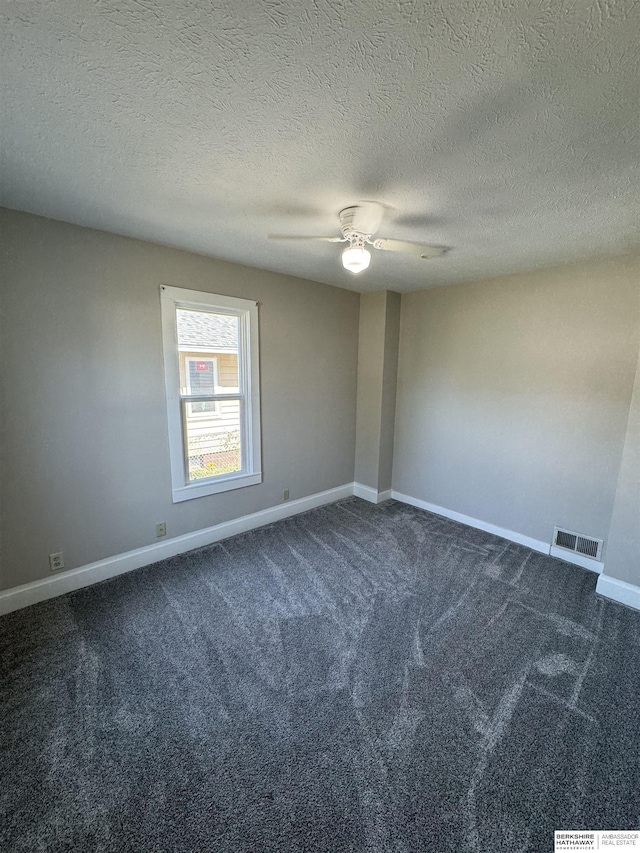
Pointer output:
x,y
369,494
620,591
58,584
527,541
63,582
577,559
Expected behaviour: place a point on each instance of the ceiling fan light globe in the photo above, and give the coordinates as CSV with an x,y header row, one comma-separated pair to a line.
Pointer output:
x,y
356,259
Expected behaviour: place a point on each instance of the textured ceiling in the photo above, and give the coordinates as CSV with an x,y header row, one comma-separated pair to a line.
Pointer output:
x,y
506,130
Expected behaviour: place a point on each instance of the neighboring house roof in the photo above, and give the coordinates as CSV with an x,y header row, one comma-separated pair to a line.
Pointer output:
x,y
208,331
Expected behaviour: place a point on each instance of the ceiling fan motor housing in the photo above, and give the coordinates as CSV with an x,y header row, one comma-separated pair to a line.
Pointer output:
x,y
347,217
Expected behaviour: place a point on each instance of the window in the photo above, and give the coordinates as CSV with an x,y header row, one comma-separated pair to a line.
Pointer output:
x,y
201,377
212,387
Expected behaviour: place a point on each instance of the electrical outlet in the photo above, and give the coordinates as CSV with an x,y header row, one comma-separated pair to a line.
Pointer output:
x,y
56,561
285,495
161,529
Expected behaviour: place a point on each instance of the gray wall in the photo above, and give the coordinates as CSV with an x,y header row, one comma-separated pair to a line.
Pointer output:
x,y
623,553
389,389
377,373
84,465
513,396
370,368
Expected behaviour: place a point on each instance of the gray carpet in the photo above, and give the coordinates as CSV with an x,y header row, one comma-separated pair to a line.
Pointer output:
x,y
357,678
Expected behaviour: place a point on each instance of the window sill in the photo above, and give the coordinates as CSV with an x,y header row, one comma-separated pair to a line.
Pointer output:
x,y
201,490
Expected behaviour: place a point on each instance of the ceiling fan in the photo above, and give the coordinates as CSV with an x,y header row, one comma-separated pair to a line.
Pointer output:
x,y
358,225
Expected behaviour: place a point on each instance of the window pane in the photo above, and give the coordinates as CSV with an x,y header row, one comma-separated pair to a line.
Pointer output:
x,y
206,329
208,346
213,444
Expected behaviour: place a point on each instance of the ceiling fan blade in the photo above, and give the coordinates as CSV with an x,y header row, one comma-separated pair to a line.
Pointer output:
x,y
421,249
367,217
305,237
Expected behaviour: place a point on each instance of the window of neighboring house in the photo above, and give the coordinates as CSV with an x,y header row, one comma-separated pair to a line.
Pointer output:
x,y
213,391
201,377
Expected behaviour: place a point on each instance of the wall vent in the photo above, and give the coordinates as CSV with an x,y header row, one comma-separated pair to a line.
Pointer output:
x,y
577,543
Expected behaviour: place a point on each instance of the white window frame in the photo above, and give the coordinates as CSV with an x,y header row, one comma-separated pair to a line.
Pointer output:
x,y
172,298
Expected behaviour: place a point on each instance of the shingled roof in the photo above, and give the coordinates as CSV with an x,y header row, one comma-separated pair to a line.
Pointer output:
x,y
209,331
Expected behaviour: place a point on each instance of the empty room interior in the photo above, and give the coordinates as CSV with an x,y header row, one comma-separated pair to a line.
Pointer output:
x,y
320,426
